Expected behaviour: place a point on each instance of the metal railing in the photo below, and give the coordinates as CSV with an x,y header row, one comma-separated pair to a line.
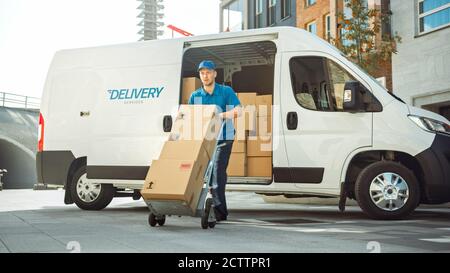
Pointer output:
x,y
19,101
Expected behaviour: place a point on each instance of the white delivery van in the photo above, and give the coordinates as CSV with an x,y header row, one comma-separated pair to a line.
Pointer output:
x,y
106,112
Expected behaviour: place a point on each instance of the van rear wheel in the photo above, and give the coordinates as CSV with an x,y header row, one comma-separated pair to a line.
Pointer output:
x,y
88,195
387,190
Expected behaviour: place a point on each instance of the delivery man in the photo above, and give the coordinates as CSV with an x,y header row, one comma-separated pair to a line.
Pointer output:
x,y
229,105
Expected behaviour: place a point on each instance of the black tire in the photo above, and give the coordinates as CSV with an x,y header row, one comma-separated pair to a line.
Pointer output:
x,y
204,222
364,198
152,220
161,221
206,212
102,200
212,224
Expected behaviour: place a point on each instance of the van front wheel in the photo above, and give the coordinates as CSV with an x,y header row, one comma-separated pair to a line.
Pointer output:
x,y
387,190
88,195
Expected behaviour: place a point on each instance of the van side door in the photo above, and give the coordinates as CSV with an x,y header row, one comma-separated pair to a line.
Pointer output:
x,y
319,134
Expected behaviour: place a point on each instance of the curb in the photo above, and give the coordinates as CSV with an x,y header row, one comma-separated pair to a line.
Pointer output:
x,y
327,201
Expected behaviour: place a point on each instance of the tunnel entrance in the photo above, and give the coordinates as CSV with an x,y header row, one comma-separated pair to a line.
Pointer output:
x,y
18,145
19,163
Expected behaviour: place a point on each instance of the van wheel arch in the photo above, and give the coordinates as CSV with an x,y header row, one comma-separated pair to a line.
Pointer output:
x,y
363,159
74,166
387,190
88,195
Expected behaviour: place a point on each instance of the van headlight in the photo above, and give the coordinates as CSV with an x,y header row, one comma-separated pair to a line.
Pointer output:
x,y
430,125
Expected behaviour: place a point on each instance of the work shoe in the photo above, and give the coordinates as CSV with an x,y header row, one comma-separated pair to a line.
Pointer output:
x,y
219,215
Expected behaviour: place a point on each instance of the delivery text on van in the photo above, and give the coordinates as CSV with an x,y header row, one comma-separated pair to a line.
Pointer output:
x,y
135,93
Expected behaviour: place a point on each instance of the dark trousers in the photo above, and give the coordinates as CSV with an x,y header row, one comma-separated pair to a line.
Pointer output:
x,y
220,173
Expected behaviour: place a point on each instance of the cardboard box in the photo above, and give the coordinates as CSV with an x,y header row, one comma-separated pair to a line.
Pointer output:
x,y
239,146
264,105
264,126
263,100
178,173
259,146
187,149
196,122
172,179
240,133
237,165
247,98
189,85
197,111
246,121
259,166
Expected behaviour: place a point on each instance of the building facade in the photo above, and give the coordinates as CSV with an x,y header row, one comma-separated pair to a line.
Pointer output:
x,y
320,17
271,13
316,16
151,14
238,15
421,69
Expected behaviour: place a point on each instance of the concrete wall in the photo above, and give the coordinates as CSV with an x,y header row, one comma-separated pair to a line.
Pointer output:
x,y
421,68
18,146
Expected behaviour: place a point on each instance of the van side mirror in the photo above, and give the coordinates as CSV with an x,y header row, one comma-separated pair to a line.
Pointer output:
x,y
353,96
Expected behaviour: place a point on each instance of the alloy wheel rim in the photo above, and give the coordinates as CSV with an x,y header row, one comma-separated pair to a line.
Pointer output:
x,y
389,191
87,191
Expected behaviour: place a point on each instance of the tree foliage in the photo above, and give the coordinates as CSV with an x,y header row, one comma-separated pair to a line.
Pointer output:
x,y
357,39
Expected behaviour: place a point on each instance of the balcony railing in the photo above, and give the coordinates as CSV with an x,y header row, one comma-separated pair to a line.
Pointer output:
x,y
19,101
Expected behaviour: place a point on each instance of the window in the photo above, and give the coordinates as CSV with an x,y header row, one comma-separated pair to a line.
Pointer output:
x,y
347,15
271,12
386,25
310,2
433,14
312,27
327,28
318,83
258,13
285,8
233,16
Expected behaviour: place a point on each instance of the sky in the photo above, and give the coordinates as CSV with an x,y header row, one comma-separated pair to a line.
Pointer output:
x,y
31,31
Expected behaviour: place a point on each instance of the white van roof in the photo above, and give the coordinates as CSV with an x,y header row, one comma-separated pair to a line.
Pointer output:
x,y
290,38
287,39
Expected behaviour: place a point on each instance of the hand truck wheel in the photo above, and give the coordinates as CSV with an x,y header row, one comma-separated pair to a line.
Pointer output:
x,y
152,219
206,213
161,221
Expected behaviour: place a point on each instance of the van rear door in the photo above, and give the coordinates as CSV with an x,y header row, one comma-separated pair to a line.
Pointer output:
x,y
319,134
128,131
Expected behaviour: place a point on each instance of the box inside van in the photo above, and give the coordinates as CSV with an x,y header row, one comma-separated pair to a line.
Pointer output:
x,y
249,69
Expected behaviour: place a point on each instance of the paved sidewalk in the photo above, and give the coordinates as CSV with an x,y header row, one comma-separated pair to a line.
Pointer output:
x,y
38,221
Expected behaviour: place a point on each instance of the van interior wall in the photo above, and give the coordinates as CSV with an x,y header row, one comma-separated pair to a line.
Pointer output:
x,y
193,73
258,78
257,75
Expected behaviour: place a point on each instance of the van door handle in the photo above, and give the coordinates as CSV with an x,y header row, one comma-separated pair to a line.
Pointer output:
x,y
85,113
167,123
292,120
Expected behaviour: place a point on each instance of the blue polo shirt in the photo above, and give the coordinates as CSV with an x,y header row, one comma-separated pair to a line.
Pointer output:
x,y
225,98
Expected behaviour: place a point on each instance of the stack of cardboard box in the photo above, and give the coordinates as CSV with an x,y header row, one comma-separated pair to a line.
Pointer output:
x,y
178,173
246,123
252,147
189,85
259,145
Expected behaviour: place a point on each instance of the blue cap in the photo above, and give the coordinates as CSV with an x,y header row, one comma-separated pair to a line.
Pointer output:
x,y
207,64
